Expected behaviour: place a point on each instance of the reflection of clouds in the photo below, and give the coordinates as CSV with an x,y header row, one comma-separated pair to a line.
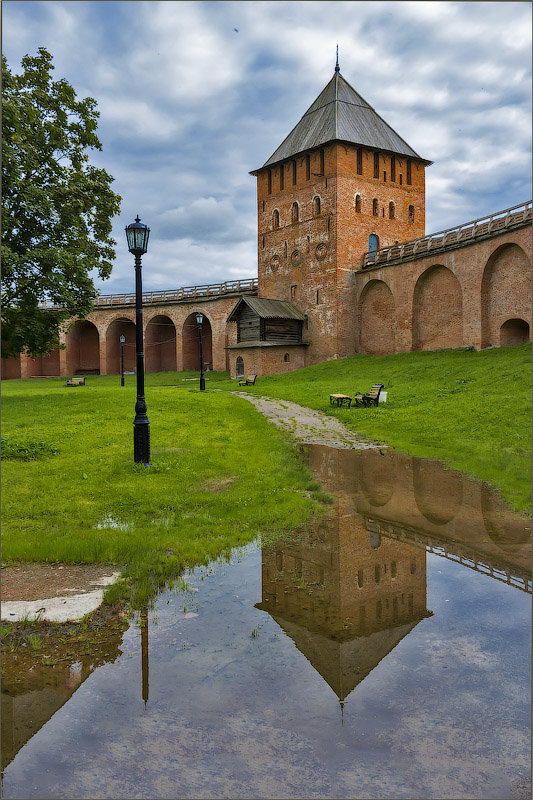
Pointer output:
x,y
466,651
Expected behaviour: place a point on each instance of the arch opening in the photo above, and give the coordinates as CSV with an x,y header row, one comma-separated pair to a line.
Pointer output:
x,y
160,344
505,296
83,348
191,343
120,327
514,331
437,310
377,319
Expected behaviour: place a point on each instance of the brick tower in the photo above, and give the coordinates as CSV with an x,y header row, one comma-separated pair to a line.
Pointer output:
x,y
342,183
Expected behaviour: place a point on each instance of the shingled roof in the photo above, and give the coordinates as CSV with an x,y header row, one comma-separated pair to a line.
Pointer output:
x,y
340,114
267,309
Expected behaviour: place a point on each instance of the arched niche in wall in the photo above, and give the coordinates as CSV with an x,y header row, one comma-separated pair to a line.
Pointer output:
x,y
514,331
378,477
190,340
83,347
377,319
120,326
437,310
438,491
505,291
508,530
160,344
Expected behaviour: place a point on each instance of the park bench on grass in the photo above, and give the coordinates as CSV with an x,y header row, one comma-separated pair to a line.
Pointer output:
x,y
76,381
371,398
340,400
250,380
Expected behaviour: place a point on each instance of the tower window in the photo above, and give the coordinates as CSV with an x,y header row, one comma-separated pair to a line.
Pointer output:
x,y
411,213
281,177
269,181
375,210
360,578
376,165
240,367
408,172
391,210
293,291
358,203
294,172
401,179
307,167
275,219
295,212
377,573
286,358
317,298
393,169
316,206
285,250
384,177
359,160
263,241
321,162
308,244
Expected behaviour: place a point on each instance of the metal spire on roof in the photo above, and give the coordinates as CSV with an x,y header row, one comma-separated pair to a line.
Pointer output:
x,y
337,68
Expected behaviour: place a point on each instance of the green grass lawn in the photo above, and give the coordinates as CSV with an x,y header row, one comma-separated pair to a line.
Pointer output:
x,y
221,475
470,409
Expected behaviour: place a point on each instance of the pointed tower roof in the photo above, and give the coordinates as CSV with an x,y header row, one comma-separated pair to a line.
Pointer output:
x,y
340,114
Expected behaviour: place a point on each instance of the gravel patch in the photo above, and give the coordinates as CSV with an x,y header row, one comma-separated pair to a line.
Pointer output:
x,y
306,425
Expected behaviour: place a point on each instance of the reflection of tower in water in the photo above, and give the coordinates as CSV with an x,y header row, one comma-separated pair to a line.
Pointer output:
x,y
345,595
354,584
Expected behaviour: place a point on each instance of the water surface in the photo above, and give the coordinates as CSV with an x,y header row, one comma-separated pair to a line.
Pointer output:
x,y
384,653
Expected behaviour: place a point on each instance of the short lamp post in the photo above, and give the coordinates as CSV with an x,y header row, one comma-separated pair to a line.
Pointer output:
x,y
122,340
199,321
137,236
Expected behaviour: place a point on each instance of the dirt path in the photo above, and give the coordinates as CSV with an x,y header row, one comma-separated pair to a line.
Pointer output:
x,y
308,426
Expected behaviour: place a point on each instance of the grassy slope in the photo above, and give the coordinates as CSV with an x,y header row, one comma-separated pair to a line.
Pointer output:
x,y
221,474
470,409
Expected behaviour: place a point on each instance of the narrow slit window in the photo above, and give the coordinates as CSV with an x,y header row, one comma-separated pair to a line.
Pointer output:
x,y
269,179
408,172
391,210
384,177
358,203
360,578
281,177
275,219
286,358
308,167
294,172
293,291
321,162
377,573
316,206
393,169
295,212
411,213
359,160
376,165
375,210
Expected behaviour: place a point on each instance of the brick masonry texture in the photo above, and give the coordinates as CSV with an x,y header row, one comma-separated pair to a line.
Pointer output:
x,y
316,215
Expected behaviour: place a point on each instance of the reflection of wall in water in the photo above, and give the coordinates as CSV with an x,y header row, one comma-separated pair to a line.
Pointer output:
x,y
423,495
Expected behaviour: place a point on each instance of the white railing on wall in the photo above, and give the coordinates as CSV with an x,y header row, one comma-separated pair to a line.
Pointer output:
x,y
452,237
245,286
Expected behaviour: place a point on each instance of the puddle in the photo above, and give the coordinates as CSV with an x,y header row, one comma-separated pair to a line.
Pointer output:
x,y
385,653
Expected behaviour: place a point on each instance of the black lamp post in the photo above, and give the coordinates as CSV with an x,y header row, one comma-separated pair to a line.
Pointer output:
x,y
199,320
122,340
137,236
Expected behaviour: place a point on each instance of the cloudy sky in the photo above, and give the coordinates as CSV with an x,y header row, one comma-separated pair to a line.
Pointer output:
x,y
194,95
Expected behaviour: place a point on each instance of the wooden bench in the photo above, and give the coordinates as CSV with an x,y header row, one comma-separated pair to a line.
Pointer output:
x,y
250,380
76,381
371,398
340,400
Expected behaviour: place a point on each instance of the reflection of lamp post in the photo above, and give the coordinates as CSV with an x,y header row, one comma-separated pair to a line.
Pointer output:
x,y
199,320
122,340
137,236
144,654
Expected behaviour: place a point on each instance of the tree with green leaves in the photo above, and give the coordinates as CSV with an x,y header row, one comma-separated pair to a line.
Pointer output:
x,y
57,207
